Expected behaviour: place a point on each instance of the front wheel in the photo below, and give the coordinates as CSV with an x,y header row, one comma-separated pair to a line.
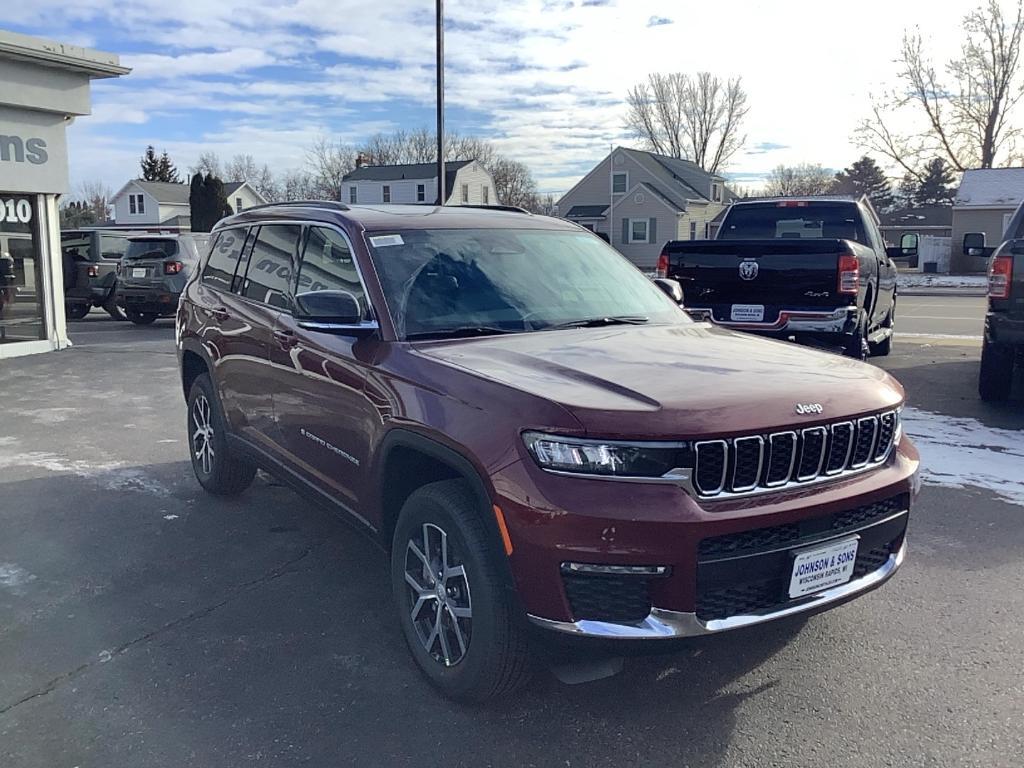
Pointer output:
x,y
995,378
459,618
76,310
216,466
142,318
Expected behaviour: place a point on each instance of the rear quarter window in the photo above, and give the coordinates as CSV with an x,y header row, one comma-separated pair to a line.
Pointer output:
x,y
220,267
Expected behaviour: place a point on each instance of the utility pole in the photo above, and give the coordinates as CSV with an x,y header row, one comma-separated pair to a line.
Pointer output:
x,y
440,103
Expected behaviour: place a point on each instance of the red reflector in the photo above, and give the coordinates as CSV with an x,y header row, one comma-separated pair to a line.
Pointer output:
x,y
849,274
173,267
1000,275
793,204
93,271
663,265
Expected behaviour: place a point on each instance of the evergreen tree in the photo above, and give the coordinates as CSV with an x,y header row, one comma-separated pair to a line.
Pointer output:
x,y
150,165
936,184
208,202
864,177
166,170
197,205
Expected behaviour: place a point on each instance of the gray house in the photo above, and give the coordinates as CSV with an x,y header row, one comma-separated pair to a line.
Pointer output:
x,y
985,201
641,200
467,182
164,206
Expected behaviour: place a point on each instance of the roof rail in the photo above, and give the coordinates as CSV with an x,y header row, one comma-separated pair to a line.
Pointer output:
x,y
331,204
509,208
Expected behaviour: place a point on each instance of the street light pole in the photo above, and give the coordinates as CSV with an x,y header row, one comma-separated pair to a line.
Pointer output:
x,y
440,103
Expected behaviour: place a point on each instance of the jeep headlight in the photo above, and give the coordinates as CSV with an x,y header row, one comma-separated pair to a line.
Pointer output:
x,y
615,458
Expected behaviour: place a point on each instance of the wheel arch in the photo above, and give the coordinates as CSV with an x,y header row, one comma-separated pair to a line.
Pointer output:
x,y
194,361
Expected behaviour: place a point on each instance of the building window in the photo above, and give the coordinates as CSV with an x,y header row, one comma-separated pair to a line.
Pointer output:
x,y
238,205
465,193
22,308
716,193
352,194
387,194
421,193
693,230
619,183
137,203
487,195
638,230
707,230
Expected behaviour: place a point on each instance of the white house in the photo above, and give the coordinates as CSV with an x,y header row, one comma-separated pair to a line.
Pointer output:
x,y
466,183
159,204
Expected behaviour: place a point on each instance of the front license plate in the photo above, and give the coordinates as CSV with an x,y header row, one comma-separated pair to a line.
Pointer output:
x,y
822,567
747,313
138,272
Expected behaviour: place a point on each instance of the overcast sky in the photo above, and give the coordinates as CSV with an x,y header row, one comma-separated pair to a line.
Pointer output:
x,y
544,79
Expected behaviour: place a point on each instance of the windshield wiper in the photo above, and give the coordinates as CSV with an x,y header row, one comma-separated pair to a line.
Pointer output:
x,y
459,333
597,322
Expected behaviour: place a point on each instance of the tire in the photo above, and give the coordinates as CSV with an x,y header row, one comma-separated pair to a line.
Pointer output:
x,y
111,308
855,345
76,310
217,469
492,658
142,318
995,378
883,348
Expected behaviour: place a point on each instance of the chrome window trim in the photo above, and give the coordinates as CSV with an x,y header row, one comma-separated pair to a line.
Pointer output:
x,y
725,465
792,459
849,448
821,456
760,463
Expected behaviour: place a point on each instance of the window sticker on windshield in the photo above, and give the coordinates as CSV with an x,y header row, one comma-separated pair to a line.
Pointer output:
x,y
382,241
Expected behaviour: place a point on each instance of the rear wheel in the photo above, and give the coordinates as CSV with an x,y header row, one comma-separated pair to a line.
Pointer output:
x,y
217,468
76,310
459,618
995,378
142,318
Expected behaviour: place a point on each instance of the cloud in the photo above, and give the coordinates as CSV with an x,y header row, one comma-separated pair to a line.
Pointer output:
x,y
764,147
153,66
659,21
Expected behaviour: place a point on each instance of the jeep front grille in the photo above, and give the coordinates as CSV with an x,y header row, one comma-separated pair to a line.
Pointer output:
x,y
760,463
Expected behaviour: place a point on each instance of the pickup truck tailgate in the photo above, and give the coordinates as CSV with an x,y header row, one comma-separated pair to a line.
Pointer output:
x,y
774,273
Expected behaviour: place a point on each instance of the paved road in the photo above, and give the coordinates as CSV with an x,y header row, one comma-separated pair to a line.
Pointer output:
x,y
941,315
143,623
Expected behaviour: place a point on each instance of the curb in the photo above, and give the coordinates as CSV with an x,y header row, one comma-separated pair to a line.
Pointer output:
x,y
979,292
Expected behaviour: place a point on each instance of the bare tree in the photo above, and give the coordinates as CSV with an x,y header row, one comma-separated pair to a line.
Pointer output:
x,y
798,181
966,123
697,118
97,198
513,183
260,178
208,164
328,162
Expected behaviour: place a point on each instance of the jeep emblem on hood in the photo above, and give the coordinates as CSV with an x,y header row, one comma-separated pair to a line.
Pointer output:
x,y
748,270
805,408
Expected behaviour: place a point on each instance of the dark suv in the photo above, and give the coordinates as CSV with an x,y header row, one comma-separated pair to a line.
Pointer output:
x,y
541,438
153,273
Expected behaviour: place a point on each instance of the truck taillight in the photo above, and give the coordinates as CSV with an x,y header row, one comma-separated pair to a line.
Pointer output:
x,y
173,267
1000,275
93,271
849,274
663,265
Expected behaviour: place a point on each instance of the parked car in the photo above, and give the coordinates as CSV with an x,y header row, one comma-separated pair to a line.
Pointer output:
x,y
809,269
153,273
91,258
545,442
1003,345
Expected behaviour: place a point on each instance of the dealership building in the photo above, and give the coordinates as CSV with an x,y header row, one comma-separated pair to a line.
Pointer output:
x,y
44,86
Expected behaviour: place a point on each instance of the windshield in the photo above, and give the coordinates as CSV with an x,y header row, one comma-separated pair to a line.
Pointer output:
x,y
153,247
503,280
793,220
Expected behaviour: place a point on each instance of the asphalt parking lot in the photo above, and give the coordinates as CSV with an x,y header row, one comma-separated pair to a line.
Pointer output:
x,y
144,623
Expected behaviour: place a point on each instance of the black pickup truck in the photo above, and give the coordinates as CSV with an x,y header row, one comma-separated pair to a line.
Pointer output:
x,y
814,270
1003,345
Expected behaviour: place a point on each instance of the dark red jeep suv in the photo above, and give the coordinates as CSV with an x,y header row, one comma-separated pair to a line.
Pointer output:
x,y
539,436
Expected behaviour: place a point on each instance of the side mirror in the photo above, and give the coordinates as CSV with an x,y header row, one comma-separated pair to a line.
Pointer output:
x,y
671,288
331,311
974,244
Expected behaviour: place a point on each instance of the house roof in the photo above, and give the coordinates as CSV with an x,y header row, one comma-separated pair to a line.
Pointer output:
x,y
994,187
163,191
230,187
924,216
586,211
400,172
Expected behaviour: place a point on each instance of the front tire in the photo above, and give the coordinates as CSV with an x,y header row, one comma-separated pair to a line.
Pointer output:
x,y
459,617
995,378
219,470
76,310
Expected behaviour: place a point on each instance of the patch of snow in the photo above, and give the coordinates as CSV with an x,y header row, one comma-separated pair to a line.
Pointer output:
x,y
48,416
170,517
14,578
111,475
921,280
962,452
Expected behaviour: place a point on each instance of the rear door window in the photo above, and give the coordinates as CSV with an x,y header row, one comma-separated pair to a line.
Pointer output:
x,y
328,265
220,267
112,247
794,220
268,279
151,248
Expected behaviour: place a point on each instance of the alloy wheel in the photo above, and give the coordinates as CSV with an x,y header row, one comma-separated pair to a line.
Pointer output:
x,y
202,435
439,599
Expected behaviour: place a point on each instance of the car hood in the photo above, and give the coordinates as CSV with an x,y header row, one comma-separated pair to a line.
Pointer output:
x,y
680,381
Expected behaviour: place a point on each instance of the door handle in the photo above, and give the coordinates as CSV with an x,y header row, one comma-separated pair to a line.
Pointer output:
x,y
286,339
220,313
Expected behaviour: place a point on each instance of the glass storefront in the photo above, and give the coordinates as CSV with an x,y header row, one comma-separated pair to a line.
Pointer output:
x,y
22,316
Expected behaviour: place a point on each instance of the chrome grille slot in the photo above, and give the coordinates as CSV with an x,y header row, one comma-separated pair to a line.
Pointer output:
x,y
752,464
813,442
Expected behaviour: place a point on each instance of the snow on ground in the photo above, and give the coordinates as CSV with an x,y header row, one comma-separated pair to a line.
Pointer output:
x,y
920,280
963,452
